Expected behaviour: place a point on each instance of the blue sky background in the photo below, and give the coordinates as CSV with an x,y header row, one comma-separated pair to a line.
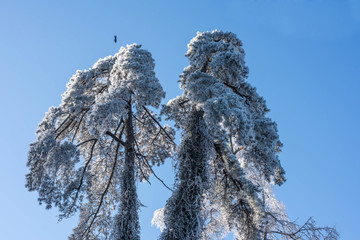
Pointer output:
x,y
304,59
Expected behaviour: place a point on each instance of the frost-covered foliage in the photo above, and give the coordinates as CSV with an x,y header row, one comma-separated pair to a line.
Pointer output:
x,y
90,150
182,213
234,115
277,224
158,219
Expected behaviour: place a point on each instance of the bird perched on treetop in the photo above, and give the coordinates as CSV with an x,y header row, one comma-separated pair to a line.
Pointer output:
x,y
115,39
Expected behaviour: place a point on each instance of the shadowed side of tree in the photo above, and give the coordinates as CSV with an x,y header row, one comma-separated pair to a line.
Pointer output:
x,y
183,219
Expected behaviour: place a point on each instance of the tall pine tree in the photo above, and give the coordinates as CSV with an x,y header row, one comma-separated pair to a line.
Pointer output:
x,y
234,118
91,149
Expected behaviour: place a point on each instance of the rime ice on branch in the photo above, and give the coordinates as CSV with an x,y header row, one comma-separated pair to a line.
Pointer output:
x,y
90,150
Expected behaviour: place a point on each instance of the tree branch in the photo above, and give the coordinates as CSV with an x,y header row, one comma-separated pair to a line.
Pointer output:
x,y
236,183
157,122
237,92
183,102
142,173
79,125
117,128
69,115
115,138
71,120
83,172
138,120
148,165
153,172
86,141
308,229
105,191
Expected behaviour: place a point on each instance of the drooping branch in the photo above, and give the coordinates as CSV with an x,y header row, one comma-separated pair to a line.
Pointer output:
x,y
144,125
142,172
149,166
72,126
72,119
105,191
157,122
153,172
85,109
83,172
238,184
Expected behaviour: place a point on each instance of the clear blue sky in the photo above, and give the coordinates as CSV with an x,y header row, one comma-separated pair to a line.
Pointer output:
x,y
304,59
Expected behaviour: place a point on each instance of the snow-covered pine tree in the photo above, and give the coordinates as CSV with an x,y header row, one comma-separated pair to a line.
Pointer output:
x,y
239,197
234,117
90,150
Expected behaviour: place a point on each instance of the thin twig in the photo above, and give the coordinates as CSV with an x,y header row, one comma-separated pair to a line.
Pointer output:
x,y
152,142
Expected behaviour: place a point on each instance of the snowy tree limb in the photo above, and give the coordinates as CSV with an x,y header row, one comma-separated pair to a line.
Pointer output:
x,y
115,138
157,122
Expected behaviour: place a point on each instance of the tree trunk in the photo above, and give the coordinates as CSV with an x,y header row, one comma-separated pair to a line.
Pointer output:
x,y
127,220
183,218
